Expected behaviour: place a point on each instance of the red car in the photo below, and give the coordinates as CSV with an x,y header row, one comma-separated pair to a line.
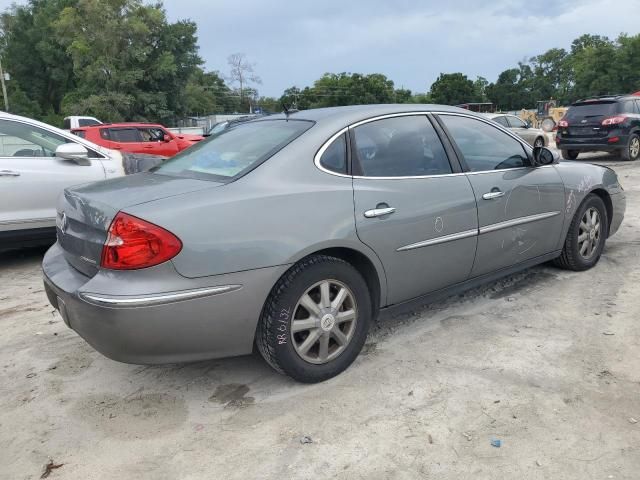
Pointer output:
x,y
149,138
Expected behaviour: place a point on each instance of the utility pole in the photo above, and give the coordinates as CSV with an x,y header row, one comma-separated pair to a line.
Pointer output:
x,y
4,89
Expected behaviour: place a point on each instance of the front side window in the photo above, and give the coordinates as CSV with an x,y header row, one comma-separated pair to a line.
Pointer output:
x,y
515,122
125,135
399,147
484,147
152,134
235,151
334,157
23,140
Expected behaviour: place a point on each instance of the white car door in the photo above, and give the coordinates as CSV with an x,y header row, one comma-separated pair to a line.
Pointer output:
x,y
32,177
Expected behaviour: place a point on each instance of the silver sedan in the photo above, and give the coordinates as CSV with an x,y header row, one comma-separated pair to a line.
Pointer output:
x,y
533,136
294,232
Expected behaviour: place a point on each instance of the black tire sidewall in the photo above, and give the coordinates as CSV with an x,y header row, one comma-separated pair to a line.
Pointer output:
x,y
286,356
591,201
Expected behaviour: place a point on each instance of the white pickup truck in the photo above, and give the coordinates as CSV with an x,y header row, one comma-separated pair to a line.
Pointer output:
x,y
79,121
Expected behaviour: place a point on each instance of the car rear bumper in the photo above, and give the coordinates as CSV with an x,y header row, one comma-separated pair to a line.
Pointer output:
x,y
592,144
201,322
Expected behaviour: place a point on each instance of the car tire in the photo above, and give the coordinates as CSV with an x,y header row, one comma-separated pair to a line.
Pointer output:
x,y
575,256
539,142
288,323
632,150
570,154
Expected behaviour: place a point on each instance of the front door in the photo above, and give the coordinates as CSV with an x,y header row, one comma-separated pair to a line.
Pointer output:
x,y
32,178
410,207
519,206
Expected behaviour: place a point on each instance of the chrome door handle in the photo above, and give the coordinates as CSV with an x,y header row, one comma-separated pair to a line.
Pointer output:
x,y
492,195
379,212
9,173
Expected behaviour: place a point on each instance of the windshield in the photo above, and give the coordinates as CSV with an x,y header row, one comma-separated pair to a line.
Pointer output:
x,y
234,151
592,109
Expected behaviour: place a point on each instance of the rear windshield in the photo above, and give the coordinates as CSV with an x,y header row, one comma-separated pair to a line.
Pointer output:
x,y
234,151
592,109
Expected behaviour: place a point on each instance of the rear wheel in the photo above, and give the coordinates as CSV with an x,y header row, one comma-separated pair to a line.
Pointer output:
x,y
586,236
570,154
315,320
632,152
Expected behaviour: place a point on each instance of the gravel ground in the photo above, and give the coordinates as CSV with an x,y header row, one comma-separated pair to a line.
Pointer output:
x,y
546,361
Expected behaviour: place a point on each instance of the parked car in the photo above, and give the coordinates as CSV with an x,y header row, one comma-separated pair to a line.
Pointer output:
x,y
37,161
606,124
147,138
75,121
295,231
533,136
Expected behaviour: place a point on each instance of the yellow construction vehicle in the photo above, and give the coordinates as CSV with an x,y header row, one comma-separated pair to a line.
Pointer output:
x,y
545,116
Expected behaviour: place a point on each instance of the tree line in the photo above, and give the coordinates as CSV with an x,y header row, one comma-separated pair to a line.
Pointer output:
x,y
123,60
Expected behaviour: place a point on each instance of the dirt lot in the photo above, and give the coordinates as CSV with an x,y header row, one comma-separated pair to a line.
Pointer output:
x,y
546,361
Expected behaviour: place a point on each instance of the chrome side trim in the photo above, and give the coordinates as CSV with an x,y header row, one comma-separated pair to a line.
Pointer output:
x,y
116,301
517,221
28,220
439,240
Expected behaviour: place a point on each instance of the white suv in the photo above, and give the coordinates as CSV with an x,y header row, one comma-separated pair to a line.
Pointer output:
x,y
37,161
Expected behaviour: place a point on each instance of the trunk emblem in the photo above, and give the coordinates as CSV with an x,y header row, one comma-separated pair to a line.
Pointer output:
x,y
583,121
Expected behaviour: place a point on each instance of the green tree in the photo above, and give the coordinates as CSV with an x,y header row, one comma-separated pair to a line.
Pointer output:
x,y
452,89
128,62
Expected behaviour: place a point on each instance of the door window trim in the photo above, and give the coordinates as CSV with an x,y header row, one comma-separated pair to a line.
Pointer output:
x,y
526,147
454,161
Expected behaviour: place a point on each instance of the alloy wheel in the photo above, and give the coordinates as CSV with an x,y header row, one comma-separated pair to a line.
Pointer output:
x,y
634,147
590,233
324,321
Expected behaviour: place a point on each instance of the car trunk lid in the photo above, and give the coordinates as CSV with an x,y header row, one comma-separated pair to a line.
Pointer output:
x,y
85,212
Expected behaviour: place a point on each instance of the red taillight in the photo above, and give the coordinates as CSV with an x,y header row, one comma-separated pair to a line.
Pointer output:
x,y
134,243
563,124
614,120
613,139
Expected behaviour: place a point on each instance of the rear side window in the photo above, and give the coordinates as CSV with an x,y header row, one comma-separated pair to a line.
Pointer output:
x,y
334,157
235,151
399,147
87,122
125,135
484,147
502,121
104,133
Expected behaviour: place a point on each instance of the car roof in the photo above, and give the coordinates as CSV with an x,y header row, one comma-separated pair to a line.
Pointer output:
x,y
354,113
120,125
605,98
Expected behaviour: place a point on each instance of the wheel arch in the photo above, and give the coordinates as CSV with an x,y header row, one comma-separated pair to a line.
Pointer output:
x,y
606,198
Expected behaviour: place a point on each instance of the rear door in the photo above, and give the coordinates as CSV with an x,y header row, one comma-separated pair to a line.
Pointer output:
x,y
127,139
519,206
413,207
32,178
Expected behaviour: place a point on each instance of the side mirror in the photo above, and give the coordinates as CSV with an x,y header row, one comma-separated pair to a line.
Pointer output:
x,y
544,156
166,138
75,152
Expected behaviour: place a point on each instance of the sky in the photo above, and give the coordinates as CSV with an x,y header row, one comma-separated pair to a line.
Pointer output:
x,y
410,41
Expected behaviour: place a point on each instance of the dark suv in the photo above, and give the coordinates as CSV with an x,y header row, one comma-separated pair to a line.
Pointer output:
x,y
608,124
